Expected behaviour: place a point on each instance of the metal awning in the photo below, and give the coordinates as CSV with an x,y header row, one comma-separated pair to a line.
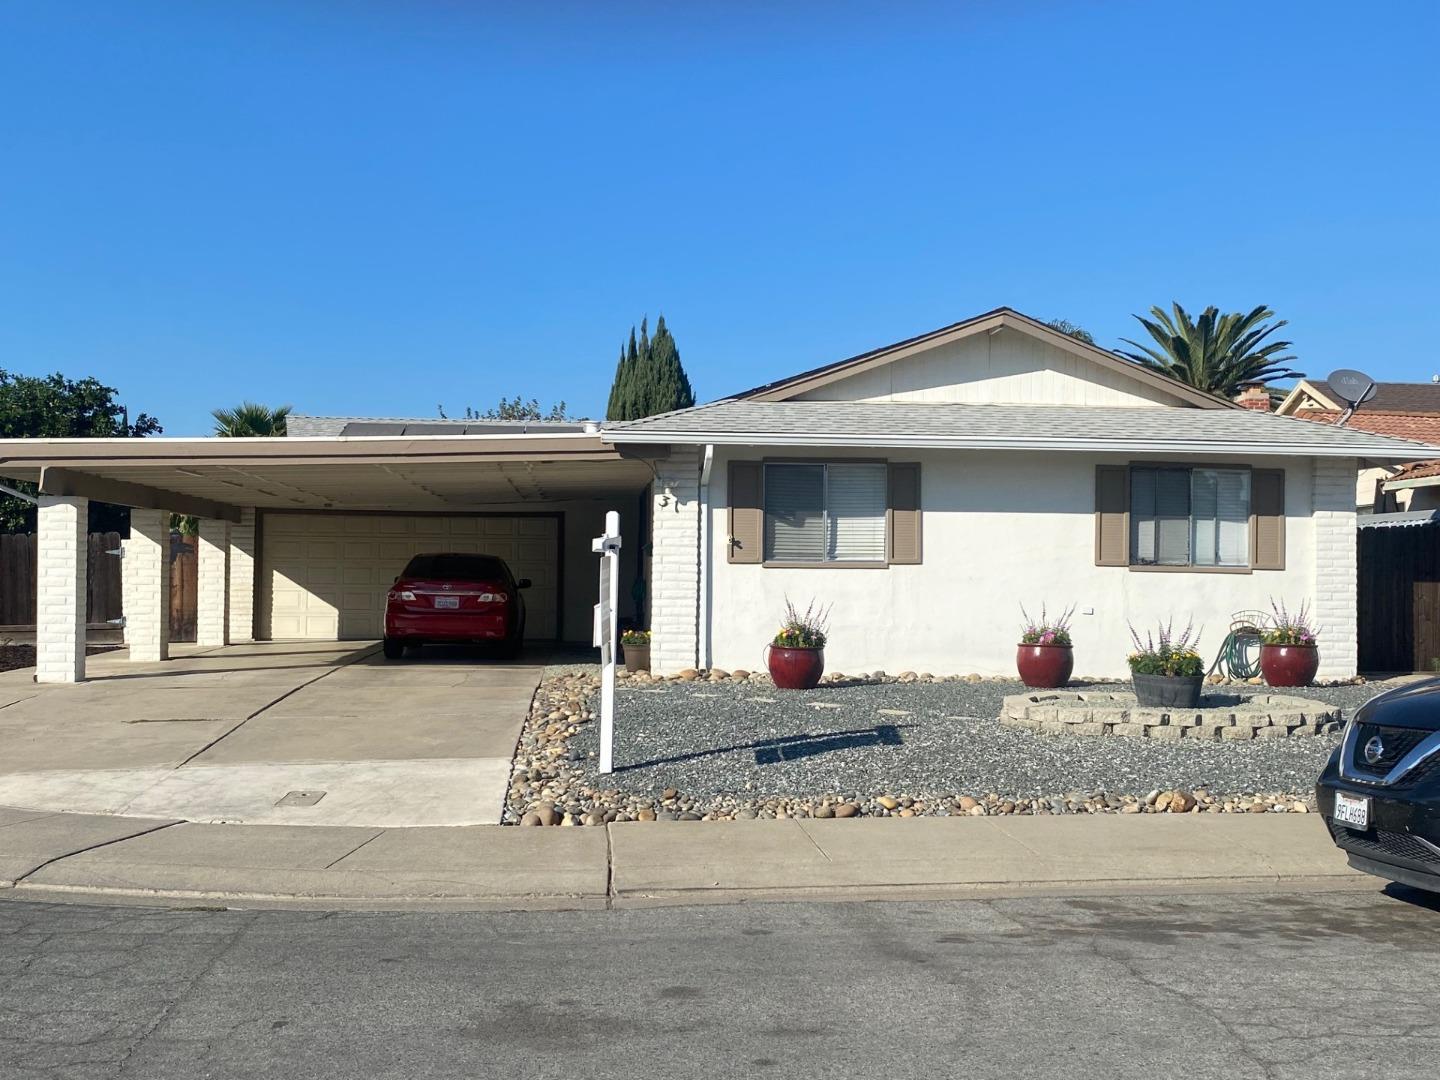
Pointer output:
x,y
214,477
1401,520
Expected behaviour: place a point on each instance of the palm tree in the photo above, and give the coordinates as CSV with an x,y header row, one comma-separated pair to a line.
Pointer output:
x,y
1215,353
250,419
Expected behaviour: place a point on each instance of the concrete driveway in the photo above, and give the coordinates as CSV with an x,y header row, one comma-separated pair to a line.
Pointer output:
x,y
270,733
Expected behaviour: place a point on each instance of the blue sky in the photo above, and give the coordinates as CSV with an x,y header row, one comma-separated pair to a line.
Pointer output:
x,y
375,208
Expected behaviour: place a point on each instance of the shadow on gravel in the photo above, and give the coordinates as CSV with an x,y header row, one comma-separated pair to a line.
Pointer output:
x,y
790,747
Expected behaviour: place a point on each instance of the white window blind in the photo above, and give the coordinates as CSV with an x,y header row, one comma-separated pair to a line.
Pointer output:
x,y
795,529
1160,516
1220,512
826,512
855,504
1190,517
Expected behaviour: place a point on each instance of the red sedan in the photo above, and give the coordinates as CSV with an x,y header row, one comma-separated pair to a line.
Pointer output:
x,y
455,598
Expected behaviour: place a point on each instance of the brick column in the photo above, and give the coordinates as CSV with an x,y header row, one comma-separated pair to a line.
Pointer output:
x,y
1333,518
60,589
145,581
674,563
212,591
242,577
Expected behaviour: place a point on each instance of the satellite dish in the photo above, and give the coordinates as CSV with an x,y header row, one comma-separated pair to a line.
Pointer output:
x,y
1353,387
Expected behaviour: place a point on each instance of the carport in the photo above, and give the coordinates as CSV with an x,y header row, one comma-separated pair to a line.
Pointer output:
x,y
300,536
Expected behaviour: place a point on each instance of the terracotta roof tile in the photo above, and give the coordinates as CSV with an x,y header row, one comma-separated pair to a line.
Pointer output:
x,y
1420,428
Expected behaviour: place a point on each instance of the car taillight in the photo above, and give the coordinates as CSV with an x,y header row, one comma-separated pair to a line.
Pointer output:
x,y
492,598
402,594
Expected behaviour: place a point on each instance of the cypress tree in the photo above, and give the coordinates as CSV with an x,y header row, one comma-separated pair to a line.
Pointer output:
x,y
670,385
612,409
649,378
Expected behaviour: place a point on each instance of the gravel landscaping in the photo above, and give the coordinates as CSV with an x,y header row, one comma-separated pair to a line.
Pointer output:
x,y
726,748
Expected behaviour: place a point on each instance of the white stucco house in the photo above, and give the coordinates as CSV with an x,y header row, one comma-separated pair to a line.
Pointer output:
x,y
925,490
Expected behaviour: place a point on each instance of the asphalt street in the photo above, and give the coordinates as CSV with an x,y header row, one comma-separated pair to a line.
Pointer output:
x,y
1337,984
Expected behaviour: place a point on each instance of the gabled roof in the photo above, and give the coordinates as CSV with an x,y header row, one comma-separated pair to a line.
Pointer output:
x,y
1000,318
1008,427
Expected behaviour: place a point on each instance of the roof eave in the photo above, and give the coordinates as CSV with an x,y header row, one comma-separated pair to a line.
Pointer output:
x,y
939,442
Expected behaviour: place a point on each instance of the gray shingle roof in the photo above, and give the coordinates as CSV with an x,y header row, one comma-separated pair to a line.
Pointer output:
x,y
845,423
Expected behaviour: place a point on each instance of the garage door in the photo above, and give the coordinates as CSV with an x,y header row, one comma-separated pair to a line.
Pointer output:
x,y
325,575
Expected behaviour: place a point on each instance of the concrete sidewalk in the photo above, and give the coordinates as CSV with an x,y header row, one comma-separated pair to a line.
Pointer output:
x,y
103,857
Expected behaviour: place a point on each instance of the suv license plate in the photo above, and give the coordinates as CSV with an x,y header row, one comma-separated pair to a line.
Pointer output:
x,y
1352,810
447,601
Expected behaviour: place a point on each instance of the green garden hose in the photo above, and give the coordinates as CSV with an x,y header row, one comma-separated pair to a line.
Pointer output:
x,y
1240,654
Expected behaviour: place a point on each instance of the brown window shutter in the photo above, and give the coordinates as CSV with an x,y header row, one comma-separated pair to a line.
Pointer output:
x,y
905,514
1112,515
1267,519
747,513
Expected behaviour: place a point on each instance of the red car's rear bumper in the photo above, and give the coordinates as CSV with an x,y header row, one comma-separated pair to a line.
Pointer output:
x,y
434,626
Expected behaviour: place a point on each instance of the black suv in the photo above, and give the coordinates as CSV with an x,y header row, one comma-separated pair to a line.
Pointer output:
x,y
1380,791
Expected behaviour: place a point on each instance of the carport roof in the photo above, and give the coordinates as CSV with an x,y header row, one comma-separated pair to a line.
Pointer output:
x,y
214,477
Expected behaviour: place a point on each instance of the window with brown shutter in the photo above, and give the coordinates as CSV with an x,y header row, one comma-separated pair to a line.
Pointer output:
x,y
1214,518
825,513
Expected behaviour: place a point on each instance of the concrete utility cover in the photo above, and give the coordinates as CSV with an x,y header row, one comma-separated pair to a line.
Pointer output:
x,y
301,798
306,733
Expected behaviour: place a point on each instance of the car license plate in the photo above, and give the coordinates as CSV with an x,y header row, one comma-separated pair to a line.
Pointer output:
x,y
1352,810
447,601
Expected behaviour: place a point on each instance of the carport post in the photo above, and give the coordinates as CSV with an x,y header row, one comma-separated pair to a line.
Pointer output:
x,y
212,589
145,578
60,590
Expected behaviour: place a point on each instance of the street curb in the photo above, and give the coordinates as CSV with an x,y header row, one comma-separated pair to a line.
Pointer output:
x,y
1000,890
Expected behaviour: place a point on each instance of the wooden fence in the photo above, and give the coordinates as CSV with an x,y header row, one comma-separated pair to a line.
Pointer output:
x,y
103,602
1399,593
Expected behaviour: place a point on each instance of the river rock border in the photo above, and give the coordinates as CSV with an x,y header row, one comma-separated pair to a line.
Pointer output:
x,y
1220,717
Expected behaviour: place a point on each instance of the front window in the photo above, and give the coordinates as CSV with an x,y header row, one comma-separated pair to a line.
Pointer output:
x,y
825,513
1189,517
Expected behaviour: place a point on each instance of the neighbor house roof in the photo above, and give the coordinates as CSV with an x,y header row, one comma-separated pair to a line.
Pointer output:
x,y
1403,410
1396,397
1017,427
1002,318
302,427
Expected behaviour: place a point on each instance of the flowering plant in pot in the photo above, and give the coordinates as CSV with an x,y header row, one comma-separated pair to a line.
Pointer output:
x,y
635,644
1166,668
1044,656
796,655
1288,653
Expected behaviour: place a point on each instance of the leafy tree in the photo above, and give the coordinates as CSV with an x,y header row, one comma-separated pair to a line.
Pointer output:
x,y
249,420
650,378
1216,353
518,411
1075,330
54,407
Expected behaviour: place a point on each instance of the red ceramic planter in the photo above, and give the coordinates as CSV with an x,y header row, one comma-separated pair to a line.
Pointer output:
x,y
795,669
1289,665
1044,667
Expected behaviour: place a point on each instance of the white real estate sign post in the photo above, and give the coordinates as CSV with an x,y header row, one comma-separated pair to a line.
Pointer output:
x,y
608,548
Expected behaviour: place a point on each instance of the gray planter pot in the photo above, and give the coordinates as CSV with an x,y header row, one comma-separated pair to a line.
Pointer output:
x,y
1168,691
637,657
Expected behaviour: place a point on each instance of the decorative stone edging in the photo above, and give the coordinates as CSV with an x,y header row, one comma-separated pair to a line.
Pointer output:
x,y
1220,717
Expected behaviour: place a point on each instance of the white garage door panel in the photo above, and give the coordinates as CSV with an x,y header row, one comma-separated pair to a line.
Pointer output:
x,y
326,574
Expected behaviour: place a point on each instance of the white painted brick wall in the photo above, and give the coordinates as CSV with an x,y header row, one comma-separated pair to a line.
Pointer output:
x,y
674,563
242,577
212,591
60,589
1335,556
145,583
